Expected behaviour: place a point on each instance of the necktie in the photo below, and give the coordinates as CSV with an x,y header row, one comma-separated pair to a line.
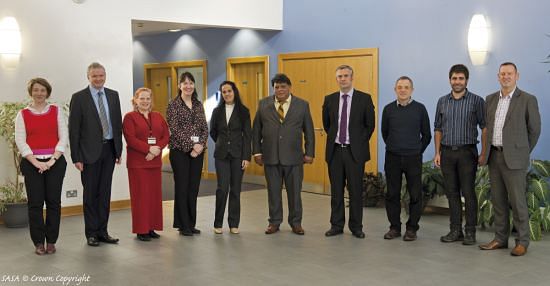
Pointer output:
x,y
102,114
281,111
344,120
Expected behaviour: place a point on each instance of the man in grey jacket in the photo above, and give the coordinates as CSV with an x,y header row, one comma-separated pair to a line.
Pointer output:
x,y
277,144
513,129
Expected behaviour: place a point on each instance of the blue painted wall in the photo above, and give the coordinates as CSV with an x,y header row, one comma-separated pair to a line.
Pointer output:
x,y
422,39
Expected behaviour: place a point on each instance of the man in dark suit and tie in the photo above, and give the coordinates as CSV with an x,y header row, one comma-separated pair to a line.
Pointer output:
x,y
279,124
348,119
513,125
95,135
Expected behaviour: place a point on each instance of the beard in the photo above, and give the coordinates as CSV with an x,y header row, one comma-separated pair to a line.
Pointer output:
x,y
458,88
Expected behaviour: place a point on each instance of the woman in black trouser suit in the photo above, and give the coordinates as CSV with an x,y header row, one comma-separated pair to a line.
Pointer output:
x,y
230,129
41,137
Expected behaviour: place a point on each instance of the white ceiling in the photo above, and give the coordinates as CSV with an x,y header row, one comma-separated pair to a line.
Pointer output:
x,y
142,27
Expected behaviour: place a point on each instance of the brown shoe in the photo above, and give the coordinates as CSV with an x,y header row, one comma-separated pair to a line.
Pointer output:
x,y
519,250
297,229
410,235
39,250
392,233
272,228
492,245
50,248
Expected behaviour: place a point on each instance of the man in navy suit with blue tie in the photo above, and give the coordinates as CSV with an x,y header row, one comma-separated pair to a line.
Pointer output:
x,y
95,135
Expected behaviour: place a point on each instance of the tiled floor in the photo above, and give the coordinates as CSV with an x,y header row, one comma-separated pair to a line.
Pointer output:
x,y
253,258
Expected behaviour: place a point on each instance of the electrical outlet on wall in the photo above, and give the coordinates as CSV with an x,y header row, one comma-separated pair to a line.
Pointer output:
x,y
71,193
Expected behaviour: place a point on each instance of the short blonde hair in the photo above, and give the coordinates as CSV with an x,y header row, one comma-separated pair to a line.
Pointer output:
x,y
136,95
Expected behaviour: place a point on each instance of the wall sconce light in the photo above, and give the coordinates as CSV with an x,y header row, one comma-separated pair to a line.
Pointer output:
x,y
478,40
10,42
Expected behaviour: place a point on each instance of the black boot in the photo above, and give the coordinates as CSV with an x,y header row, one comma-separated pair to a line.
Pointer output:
x,y
453,235
469,237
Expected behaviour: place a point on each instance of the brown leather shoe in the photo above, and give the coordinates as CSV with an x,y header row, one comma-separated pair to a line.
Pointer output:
x,y
519,250
272,228
410,235
492,245
297,229
392,233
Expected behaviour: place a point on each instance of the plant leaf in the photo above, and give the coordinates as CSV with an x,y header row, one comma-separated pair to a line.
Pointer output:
x,y
535,231
546,219
541,167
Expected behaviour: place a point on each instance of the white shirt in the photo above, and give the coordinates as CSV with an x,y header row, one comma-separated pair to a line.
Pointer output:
x,y
500,116
21,132
228,111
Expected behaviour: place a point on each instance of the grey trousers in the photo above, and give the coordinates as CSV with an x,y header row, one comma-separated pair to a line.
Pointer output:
x,y
292,177
508,188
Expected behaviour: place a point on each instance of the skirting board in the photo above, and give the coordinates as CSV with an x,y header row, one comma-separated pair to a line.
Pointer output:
x,y
77,210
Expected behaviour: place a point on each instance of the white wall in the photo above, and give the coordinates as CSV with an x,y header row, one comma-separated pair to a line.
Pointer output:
x,y
60,38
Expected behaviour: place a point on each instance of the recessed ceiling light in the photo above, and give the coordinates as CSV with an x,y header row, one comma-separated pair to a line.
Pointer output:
x,y
174,30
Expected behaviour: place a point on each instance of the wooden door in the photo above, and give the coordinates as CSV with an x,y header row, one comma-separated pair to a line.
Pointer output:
x,y
313,76
251,77
160,82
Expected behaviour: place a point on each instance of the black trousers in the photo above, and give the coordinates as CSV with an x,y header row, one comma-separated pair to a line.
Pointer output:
x,y
97,180
230,175
45,187
459,166
187,178
344,170
394,167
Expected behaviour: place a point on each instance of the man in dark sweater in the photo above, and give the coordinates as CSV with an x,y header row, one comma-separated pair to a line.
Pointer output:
x,y
406,132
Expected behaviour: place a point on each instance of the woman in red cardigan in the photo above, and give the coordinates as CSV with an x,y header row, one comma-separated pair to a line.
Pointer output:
x,y
146,134
41,136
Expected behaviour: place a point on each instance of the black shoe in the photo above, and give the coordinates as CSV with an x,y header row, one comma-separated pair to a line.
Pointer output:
x,y
452,236
469,238
144,237
195,231
333,232
92,241
358,234
107,239
186,232
153,234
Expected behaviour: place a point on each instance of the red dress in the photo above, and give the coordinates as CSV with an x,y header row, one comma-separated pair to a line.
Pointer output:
x,y
144,176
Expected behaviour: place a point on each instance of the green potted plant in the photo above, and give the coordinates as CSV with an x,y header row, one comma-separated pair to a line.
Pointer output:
x,y
13,200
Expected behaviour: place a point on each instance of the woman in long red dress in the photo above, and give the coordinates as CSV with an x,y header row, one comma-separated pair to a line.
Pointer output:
x,y
146,134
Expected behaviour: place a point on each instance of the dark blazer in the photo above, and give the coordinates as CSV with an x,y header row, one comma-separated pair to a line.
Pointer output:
x,y
85,132
521,130
231,138
282,143
361,124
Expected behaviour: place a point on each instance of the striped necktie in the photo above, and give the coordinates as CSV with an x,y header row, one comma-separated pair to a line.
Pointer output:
x,y
281,111
102,114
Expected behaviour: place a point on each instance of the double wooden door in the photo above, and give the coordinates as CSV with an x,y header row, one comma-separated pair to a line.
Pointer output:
x,y
313,75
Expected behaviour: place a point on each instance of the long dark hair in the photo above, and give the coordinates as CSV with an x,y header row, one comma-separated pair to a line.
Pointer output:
x,y
189,76
240,108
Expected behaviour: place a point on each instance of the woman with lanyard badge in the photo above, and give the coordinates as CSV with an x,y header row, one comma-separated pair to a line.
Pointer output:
x,y
146,134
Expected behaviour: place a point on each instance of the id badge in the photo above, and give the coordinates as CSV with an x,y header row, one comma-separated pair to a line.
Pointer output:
x,y
195,139
151,140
